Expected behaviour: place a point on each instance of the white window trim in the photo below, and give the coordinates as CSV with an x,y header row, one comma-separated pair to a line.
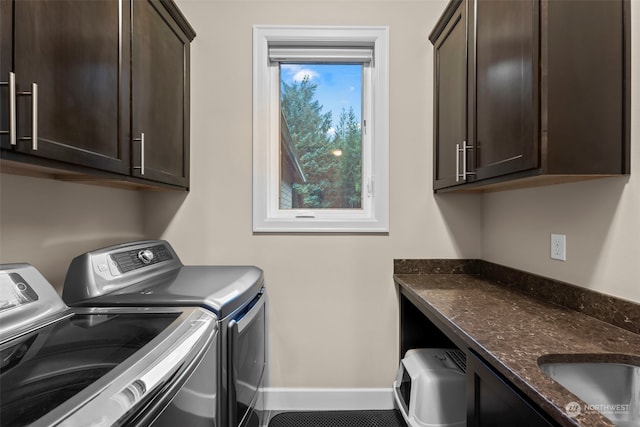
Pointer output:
x,y
267,217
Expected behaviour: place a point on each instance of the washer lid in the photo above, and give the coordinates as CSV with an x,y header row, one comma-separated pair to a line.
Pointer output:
x,y
221,289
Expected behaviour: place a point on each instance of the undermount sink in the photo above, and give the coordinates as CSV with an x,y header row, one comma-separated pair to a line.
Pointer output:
x,y
613,389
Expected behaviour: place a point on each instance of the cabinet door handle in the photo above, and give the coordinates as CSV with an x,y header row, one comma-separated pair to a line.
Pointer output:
x,y
464,160
34,116
457,162
11,83
462,176
141,140
465,149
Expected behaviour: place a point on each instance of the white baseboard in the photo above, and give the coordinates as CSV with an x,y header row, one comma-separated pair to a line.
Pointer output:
x,y
326,399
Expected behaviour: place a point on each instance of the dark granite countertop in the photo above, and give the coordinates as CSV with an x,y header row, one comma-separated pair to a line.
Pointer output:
x,y
513,331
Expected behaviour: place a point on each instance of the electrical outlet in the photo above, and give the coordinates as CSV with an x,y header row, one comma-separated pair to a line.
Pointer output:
x,y
559,247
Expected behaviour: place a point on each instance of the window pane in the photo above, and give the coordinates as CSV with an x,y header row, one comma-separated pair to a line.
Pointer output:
x,y
321,136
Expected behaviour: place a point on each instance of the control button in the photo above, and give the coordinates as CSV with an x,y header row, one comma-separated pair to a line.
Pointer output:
x,y
146,256
21,286
113,268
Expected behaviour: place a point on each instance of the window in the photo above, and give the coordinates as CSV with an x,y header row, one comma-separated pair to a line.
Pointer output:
x,y
320,129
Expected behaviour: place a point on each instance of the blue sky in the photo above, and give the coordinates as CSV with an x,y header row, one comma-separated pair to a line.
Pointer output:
x,y
339,85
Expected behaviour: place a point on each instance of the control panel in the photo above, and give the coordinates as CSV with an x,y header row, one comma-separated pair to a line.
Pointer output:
x,y
26,299
140,257
110,269
15,291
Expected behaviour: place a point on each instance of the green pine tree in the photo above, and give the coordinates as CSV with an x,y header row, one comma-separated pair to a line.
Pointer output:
x,y
349,139
332,181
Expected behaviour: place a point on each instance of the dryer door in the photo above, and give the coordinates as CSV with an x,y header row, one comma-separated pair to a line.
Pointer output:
x,y
247,362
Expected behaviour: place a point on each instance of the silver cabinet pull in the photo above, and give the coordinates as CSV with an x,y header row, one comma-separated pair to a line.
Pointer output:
x,y
462,176
464,160
457,162
11,83
141,140
34,116
465,149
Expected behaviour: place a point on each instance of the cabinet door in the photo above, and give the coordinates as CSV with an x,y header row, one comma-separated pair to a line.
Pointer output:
x,y
504,113
160,101
6,66
450,99
491,402
73,51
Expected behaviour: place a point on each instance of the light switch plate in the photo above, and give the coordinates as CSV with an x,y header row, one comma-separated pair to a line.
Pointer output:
x,y
559,247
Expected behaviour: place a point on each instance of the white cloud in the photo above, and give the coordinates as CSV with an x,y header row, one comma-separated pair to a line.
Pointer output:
x,y
297,72
300,75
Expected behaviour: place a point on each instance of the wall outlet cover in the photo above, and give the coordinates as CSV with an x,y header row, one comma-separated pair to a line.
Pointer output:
x,y
559,247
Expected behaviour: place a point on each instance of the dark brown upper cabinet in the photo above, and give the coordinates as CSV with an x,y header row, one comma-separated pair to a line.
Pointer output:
x,y
160,94
546,93
88,77
450,97
70,52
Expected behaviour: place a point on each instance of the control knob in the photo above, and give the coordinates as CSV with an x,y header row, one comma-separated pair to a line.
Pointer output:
x,y
146,256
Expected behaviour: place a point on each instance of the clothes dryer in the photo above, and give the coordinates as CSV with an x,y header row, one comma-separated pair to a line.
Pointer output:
x,y
150,274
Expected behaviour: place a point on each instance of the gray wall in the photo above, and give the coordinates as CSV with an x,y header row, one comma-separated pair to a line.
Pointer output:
x,y
46,223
